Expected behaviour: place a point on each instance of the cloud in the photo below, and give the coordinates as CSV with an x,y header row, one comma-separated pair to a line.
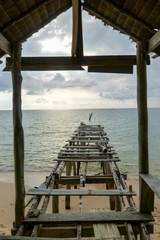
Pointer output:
x,y
59,82
120,94
102,40
41,100
55,38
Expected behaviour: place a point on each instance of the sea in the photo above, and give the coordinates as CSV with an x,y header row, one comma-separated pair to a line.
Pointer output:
x,y
46,132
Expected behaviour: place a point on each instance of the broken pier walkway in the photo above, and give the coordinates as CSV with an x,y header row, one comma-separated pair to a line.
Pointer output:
x,y
72,176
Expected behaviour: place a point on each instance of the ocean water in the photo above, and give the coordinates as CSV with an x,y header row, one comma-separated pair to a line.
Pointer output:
x,y
47,131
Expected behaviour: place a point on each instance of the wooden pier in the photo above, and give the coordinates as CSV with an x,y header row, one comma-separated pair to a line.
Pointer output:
x,y
120,219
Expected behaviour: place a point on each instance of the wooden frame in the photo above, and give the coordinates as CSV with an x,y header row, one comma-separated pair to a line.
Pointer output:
x,y
74,63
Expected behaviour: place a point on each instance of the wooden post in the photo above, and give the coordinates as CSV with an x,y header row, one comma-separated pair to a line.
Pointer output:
x,y
68,173
55,201
18,134
142,122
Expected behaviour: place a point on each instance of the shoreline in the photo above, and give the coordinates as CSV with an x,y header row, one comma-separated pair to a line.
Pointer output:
x,y
34,179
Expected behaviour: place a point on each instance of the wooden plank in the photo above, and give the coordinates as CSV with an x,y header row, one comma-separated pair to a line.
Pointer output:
x,y
89,179
85,147
87,231
80,153
49,68
75,192
148,195
87,159
5,45
111,69
105,231
153,182
34,238
77,38
78,137
104,217
86,141
89,132
31,63
154,42
65,232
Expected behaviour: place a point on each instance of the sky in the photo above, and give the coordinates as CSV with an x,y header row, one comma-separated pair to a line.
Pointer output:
x,y
78,89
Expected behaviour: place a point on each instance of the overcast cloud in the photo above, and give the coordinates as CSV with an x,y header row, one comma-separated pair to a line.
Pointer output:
x,y
78,89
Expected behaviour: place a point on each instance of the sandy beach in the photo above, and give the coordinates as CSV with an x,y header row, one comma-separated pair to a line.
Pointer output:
x,y
34,179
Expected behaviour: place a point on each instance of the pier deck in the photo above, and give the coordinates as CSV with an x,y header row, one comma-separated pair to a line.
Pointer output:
x,y
72,169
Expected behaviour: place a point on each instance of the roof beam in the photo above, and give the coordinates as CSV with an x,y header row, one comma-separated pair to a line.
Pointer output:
x,y
107,20
59,63
112,69
154,42
77,39
5,44
134,18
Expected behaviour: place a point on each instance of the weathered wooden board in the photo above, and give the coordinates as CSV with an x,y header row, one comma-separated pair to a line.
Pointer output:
x,y
89,179
105,231
111,69
86,147
87,159
78,192
104,217
153,182
86,141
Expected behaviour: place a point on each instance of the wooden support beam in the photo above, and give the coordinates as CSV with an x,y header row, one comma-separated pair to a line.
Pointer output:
x,y
5,44
117,217
65,232
72,63
147,196
142,122
142,108
68,187
154,42
18,134
117,69
77,36
89,179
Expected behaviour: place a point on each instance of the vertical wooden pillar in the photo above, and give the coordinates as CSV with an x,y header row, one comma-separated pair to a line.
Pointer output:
x,y
18,134
142,122
68,186
55,201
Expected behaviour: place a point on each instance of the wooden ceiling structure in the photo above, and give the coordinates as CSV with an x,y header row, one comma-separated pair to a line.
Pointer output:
x,y
20,19
140,20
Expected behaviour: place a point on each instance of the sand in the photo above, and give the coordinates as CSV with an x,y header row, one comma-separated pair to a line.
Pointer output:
x,y
33,179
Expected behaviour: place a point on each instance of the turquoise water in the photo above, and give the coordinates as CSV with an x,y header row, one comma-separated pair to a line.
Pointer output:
x,y
47,131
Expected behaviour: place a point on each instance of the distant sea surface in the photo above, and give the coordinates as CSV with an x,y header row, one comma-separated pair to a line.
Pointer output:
x,y
47,131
